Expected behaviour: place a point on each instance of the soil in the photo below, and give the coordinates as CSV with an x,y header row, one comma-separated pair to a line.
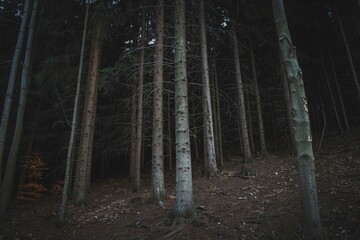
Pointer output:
x,y
264,205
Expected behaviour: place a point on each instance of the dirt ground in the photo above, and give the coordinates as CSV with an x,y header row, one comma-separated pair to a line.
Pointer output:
x,y
265,206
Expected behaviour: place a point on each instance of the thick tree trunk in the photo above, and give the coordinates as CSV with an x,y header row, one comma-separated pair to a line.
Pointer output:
x,y
305,156
157,183
184,206
339,93
11,83
69,156
7,185
209,144
348,52
258,103
89,115
241,103
139,120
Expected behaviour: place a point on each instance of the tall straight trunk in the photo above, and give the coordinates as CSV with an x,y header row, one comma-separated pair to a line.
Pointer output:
x,y
184,205
157,177
287,99
258,102
339,93
209,143
331,95
348,52
249,121
169,135
11,83
70,152
305,156
133,138
241,103
139,119
7,185
89,114
220,156
216,127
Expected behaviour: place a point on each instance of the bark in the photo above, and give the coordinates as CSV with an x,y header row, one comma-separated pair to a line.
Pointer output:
x,y
348,52
249,121
133,139
69,156
241,103
139,120
89,114
207,108
347,127
258,103
169,136
331,95
184,206
11,83
7,185
305,156
157,183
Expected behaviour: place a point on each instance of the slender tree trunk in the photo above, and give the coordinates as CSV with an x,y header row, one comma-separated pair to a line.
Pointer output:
x,y
7,185
214,110
258,102
11,83
139,121
169,135
89,114
157,183
133,138
220,157
69,156
184,206
347,127
209,144
241,106
348,52
249,121
305,156
331,95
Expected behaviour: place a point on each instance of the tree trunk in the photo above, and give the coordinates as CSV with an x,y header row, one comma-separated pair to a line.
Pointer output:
x,y
249,121
133,139
339,93
241,104
220,156
7,185
169,135
157,183
69,156
11,83
89,114
209,143
139,120
348,53
305,156
258,102
184,206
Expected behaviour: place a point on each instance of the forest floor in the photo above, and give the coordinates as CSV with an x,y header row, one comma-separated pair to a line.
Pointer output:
x,y
264,206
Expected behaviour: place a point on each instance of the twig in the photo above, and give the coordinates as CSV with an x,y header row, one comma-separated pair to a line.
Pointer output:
x,y
172,233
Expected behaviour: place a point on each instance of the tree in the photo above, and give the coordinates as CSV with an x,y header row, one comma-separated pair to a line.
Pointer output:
x,y
184,193
7,185
157,180
11,82
209,140
88,121
69,157
241,103
305,156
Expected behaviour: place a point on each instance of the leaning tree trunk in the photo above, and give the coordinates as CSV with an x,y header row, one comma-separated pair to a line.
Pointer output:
x,y
305,156
11,83
89,114
69,156
157,177
241,103
348,52
7,185
139,120
184,206
209,143
258,102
